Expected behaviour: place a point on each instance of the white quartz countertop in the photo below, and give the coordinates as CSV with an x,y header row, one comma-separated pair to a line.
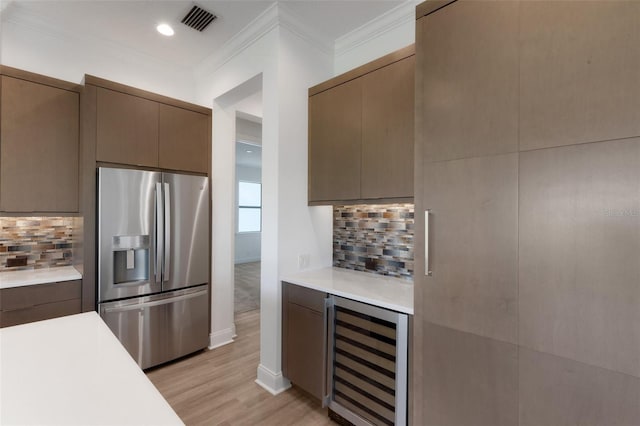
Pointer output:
x,y
387,292
38,276
73,371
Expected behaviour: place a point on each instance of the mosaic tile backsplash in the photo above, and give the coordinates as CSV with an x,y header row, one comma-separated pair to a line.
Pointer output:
x,y
374,238
35,242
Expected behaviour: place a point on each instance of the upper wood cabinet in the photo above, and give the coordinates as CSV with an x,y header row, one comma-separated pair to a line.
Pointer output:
x,y
183,139
140,128
335,143
39,143
387,131
361,133
127,130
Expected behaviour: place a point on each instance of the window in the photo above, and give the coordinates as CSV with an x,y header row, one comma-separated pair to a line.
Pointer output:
x,y
249,207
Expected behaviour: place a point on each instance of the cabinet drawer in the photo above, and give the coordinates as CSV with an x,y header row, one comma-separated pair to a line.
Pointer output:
x,y
311,299
40,312
16,298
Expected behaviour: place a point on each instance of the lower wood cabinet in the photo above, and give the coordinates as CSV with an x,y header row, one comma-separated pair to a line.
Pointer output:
x,y
303,338
21,305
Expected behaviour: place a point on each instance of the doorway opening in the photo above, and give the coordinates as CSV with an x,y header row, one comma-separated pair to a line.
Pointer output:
x,y
248,211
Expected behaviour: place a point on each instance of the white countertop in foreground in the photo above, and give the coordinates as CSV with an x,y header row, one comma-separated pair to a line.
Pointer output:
x,y
38,276
390,293
73,371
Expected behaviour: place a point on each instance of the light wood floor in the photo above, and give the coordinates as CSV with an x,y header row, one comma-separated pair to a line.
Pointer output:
x,y
246,287
217,387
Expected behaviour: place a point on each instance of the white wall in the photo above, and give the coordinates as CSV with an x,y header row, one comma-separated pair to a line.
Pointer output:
x,y
385,34
247,244
33,45
288,65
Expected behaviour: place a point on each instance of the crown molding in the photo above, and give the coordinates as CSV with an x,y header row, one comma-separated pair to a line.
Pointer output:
x,y
403,14
291,21
278,14
254,31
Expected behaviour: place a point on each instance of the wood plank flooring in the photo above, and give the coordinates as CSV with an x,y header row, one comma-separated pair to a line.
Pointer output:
x,y
217,387
246,287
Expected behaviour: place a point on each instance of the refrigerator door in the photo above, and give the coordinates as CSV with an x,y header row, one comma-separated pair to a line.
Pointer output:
x,y
159,328
127,220
186,237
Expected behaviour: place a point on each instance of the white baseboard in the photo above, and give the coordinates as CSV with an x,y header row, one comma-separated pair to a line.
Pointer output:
x,y
221,338
274,383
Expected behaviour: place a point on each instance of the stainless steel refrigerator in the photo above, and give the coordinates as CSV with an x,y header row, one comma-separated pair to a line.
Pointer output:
x,y
153,261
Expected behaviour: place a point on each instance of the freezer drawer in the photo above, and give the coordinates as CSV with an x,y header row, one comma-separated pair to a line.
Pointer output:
x,y
160,328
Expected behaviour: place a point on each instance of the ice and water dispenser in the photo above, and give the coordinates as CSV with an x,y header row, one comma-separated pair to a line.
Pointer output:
x,y
130,259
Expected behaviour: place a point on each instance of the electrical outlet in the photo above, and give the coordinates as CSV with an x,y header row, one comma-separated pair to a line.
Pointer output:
x,y
303,261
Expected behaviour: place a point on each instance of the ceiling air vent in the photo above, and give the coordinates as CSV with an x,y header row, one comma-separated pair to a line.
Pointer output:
x,y
198,18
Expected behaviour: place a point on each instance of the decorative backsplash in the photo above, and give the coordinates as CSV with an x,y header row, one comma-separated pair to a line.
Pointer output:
x,y
374,238
36,242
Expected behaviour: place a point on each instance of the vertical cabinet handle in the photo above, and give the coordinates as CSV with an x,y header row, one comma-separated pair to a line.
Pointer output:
x,y
427,263
159,233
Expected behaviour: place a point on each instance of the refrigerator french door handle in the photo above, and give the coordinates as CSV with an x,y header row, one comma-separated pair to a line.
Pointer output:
x,y
166,271
159,233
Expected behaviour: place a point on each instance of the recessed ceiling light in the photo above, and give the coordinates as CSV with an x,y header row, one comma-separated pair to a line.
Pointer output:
x,y
249,151
165,29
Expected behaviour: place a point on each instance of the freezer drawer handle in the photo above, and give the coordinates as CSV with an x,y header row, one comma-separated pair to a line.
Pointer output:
x,y
166,301
427,264
159,236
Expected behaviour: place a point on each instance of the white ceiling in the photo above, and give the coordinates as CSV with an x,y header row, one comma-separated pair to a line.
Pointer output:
x,y
248,155
132,23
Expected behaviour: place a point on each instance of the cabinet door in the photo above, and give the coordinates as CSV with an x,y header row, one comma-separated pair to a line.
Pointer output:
x,y
127,129
335,130
579,251
387,131
469,82
473,247
579,72
184,139
39,147
466,313
305,349
303,338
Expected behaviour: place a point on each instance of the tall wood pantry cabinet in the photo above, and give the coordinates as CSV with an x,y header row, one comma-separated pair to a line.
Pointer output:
x,y
39,143
361,133
528,166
